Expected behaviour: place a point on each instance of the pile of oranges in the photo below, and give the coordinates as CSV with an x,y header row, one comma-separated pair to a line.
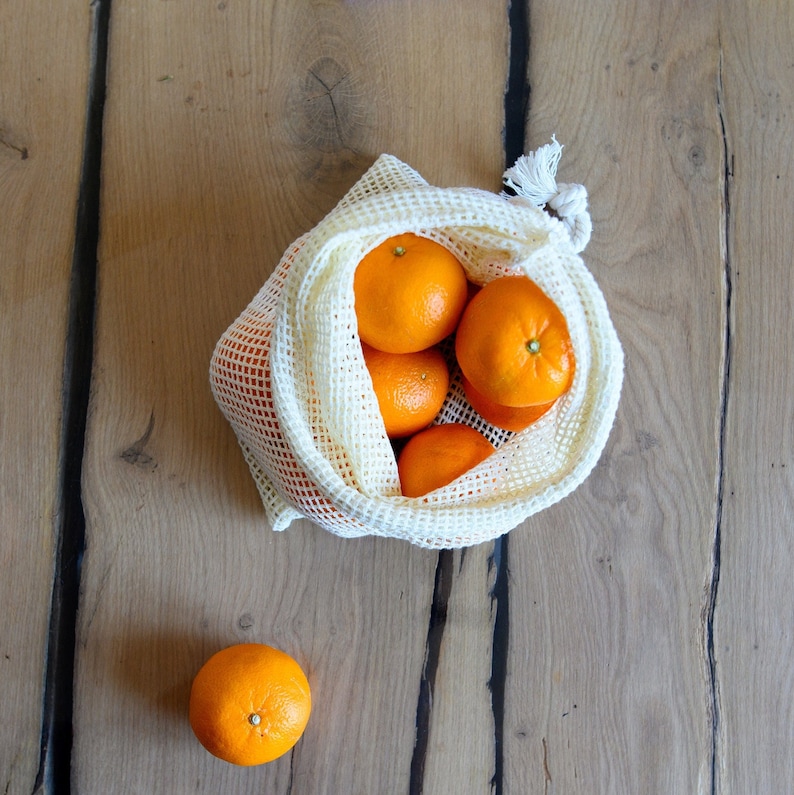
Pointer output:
x,y
250,703
511,343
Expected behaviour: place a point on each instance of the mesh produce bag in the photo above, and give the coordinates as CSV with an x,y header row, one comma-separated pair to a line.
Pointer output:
x,y
290,377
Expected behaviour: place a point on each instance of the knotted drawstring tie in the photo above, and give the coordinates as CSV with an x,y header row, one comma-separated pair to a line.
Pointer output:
x,y
533,177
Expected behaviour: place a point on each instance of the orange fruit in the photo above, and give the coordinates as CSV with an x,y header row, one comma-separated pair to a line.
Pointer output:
x,y
409,292
508,418
410,387
513,345
438,455
249,704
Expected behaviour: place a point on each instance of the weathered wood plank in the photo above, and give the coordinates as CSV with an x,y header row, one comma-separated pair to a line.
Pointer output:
x,y
43,80
607,687
231,129
461,753
754,617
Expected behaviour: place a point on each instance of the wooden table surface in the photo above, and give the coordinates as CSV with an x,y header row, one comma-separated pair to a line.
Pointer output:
x,y
156,159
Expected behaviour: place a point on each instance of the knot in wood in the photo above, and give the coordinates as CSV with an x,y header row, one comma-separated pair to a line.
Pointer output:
x,y
326,107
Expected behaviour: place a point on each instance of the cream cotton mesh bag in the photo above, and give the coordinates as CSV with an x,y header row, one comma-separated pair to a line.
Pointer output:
x,y
290,377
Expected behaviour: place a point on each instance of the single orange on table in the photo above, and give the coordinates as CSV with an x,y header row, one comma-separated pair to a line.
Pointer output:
x,y
513,344
438,455
249,704
410,387
508,418
409,292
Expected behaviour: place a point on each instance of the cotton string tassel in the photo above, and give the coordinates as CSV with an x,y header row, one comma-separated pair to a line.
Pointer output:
x,y
533,177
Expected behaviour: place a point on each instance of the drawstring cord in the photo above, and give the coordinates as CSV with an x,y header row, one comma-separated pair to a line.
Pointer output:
x,y
534,178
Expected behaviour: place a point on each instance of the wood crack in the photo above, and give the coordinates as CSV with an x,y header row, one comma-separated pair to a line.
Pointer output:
x,y
328,92
291,780
499,649
54,771
546,772
435,635
517,90
712,588
516,110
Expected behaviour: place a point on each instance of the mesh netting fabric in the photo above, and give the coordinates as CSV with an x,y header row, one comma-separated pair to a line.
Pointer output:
x,y
290,377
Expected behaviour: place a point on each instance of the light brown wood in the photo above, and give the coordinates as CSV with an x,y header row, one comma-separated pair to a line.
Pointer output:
x,y
607,687
754,620
461,753
43,73
231,129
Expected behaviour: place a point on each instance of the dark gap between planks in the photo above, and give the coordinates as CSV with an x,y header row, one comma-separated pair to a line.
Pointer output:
x,y
56,736
56,741
517,96
516,108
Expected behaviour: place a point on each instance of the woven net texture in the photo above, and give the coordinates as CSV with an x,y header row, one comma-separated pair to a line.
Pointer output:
x,y
289,373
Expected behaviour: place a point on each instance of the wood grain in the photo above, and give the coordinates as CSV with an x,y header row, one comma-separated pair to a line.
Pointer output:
x,y
754,617
647,620
461,752
608,687
231,129
43,79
